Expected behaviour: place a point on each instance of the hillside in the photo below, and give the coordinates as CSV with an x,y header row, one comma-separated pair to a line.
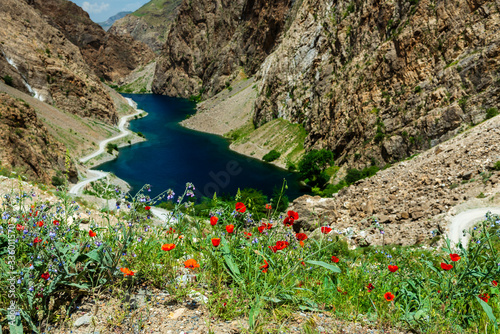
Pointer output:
x,y
149,24
109,22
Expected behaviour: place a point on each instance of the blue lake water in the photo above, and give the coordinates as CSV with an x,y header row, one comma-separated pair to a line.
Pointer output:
x,y
174,155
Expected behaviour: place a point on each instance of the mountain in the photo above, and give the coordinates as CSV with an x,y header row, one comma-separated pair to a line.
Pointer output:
x,y
109,22
149,24
370,81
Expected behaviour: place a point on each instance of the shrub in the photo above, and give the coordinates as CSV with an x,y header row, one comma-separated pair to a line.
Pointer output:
x,y
496,166
491,112
111,147
271,156
8,80
58,181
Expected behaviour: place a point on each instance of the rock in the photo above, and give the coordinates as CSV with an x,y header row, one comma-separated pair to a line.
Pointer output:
x,y
467,175
84,320
177,313
404,215
198,297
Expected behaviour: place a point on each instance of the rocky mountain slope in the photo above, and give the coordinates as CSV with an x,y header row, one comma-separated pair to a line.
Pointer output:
x,y
413,199
36,58
109,22
26,144
211,42
110,56
149,24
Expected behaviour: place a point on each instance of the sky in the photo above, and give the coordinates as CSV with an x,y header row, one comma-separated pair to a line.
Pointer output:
x,y
101,10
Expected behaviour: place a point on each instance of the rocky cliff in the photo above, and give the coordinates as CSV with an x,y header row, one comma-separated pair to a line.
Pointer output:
x,y
110,56
210,42
381,80
38,59
26,144
149,24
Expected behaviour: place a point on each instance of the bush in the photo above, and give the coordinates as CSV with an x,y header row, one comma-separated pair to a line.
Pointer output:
x,y
271,156
8,80
491,112
497,165
315,162
111,147
58,181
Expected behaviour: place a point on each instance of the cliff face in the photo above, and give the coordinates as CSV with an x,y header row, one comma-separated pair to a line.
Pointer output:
x,y
36,58
149,24
25,142
110,56
211,41
380,80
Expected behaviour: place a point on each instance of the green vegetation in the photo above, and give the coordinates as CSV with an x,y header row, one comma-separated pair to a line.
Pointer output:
x,y
491,112
271,156
313,165
8,80
111,147
496,166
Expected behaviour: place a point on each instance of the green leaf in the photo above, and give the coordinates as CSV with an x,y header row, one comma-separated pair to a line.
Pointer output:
x,y
488,310
254,312
16,326
28,319
272,299
233,268
328,266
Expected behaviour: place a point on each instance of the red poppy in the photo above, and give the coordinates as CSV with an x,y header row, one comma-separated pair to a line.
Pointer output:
x,y
19,227
147,208
326,229
37,240
216,242
230,228
393,269
269,226
454,257
191,263
167,247
281,245
56,222
46,276
446,266
127,272
287,221
40,223
213,220
303,263
335,259
301,236
273,248
92,233
264,267
247,235
370,287
268,207
388,296
484,297
39,295
293,215
495,283
240,207
261,228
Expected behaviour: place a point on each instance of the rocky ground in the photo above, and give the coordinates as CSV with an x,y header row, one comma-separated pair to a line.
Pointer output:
x,y
413,199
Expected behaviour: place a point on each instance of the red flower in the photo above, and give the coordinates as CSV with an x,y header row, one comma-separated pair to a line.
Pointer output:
x,y
288,221
127,272
484,297
281,245
216,242
261,228
240,207
19,227
335,259
46,276
40,223
92,233
213,220
446,266
247,235
268,207
303,263
264,267
393,269
370,287
301,236
495,283
191,263
167,247
147,208
293,215
230,228
388,296
325,229
37,240
273,248
454,257
269,226
56,222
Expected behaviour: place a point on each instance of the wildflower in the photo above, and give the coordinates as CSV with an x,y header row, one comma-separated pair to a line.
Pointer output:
x,y
454,257
230,228
335,259
301,243
19,227
240,207
191,263
388,296
484,297
147,208
37,240
45,276
261,228
290,218
446,266
216,242
301,236
213,220
370,287
268,207
494,283
280,245
40,223
273,248
247,235
303,263
92,233
393,269
127,272
56,222
264,267
326,229
167,247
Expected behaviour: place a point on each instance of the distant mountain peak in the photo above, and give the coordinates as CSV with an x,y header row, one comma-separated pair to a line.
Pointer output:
x,y
109,22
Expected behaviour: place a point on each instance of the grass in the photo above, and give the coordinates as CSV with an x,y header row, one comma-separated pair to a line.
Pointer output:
x,y
255,268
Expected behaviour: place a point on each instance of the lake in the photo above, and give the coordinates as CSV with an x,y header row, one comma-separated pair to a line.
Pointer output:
x,y
174,155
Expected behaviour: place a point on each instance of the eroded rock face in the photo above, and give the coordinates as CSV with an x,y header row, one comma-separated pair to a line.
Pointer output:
x,y
383,80
25,143
110,56
210,41
42,62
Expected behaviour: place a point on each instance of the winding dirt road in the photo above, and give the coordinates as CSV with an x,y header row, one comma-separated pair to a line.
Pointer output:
x,y
464,221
